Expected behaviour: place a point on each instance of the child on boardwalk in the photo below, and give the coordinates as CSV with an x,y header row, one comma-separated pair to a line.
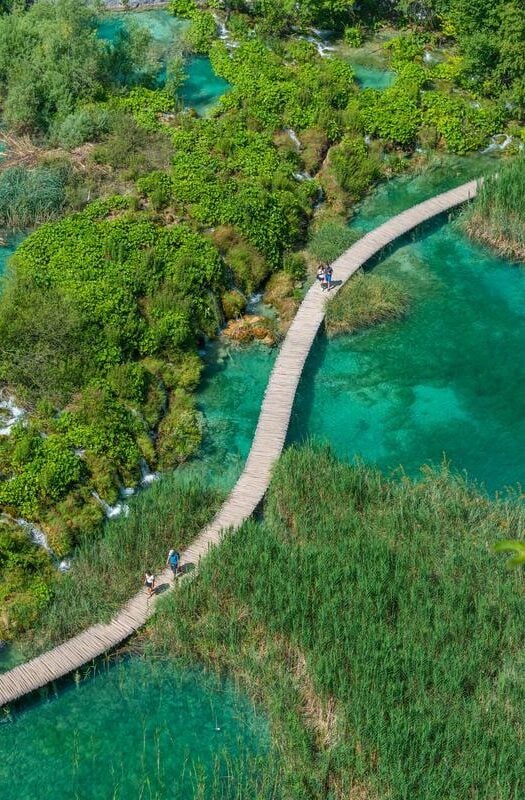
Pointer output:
x,y
149,582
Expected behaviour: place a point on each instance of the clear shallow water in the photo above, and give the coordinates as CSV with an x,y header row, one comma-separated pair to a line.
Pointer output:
x,y
7,251
202,88
373,77
448,380
230,398
136,729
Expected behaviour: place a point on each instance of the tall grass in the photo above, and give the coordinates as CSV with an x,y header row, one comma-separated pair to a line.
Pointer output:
x,y
330,240
372,619
365,300
497,216
31,196
107,571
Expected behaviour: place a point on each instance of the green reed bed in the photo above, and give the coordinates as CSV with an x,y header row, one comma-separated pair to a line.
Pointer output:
x,y
108,570
383,636
365,300
31,196
497,217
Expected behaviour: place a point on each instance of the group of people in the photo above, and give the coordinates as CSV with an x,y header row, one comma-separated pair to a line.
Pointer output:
x,y
173,562
324,276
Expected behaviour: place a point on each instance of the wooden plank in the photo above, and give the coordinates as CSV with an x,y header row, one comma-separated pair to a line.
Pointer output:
x,y
267,446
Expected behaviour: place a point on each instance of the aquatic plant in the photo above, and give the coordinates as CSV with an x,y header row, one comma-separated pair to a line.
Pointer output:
x,y
497,216
330,240
31,196
364,300
377,627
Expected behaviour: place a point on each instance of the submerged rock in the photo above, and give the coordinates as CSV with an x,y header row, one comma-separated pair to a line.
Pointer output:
x,y
249,328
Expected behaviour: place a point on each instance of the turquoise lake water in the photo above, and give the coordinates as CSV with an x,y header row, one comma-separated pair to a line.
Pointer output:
x,y
373,77
137,729
202,88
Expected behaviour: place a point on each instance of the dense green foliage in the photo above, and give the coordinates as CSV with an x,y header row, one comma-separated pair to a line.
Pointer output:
x,y
108,570
26,576
51,59
98,322
497,216
382,635
365,300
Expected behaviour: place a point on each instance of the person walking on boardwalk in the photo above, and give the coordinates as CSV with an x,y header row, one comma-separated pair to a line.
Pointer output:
x,y
320,275
173,561
328,272
149,582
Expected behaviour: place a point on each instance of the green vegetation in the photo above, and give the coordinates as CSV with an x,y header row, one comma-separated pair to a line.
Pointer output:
x,y
30,196
365,300
108,569
330,240
382,636
51,60
497,216
132,296
196,214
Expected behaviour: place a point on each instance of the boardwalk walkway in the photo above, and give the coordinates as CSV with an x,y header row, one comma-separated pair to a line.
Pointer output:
x,y
266,448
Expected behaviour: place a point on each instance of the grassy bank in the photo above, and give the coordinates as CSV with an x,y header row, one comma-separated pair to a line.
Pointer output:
x,y
108,570
372,620
497,216
365,300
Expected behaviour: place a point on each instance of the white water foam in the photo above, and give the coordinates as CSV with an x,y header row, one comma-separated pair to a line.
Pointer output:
x,y
498,142
36,534
13,413
111,511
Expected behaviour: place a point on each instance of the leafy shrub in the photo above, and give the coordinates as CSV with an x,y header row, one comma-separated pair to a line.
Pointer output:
x,y
353,36
183,8
233,304
354,167
85,125
180,432
201,33
463,124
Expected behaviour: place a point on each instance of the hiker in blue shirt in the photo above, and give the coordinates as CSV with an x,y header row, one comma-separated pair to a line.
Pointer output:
x,y
173,562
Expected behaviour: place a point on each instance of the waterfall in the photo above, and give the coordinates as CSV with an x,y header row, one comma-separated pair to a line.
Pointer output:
x,y
111,511
13,413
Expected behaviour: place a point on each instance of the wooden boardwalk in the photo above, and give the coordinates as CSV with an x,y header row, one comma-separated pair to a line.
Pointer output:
x,y
266,448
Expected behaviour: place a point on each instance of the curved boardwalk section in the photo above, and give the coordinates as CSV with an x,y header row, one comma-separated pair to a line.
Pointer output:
x,y
266,448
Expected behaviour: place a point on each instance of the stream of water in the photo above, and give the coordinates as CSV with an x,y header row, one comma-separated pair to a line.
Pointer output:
x,y
445,381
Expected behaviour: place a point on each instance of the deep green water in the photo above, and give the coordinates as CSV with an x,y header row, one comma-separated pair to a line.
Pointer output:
x,y
202,88
137,729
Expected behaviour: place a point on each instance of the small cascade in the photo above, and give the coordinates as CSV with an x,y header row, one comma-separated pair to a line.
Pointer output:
x,y
498,142
294,138
10,413
147,476
111,511
302,176
36,535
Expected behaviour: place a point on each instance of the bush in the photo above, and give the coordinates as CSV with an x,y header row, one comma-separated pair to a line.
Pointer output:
x,y
233,304
180,432
463,124
353,36
84,125
201,34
